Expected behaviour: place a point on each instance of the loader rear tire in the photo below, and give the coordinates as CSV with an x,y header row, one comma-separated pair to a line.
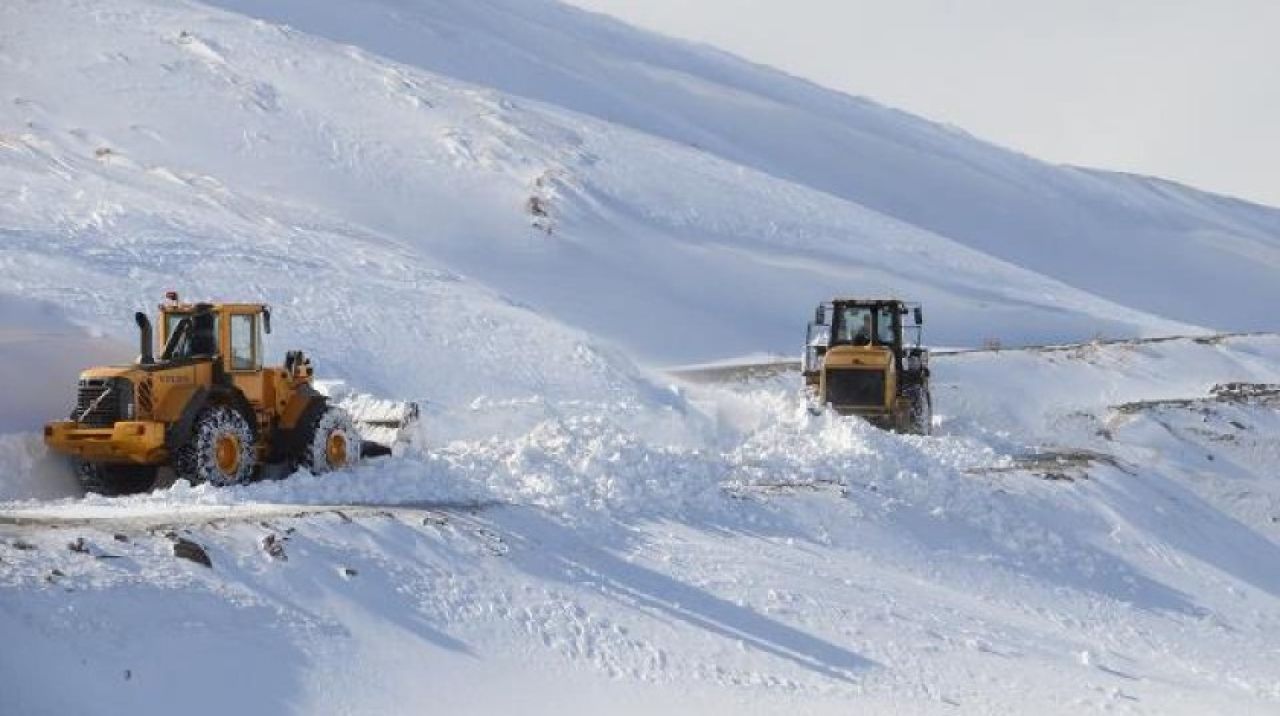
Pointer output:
x,y
220,450
112,480
331,442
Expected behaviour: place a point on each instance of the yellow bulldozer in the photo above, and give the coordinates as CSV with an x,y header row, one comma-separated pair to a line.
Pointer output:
x,y
862,358
206,407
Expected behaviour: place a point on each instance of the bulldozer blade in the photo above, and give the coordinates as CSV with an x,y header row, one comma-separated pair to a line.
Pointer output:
x,y
370,449
383,424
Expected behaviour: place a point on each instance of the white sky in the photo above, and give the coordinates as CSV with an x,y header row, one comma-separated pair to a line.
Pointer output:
x,y
1184,89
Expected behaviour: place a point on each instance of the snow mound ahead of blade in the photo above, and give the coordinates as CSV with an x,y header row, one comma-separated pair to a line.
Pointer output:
x,y
602,462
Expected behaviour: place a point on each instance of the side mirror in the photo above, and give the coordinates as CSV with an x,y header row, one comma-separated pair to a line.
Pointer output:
x,y
819,335
919,316
820,315
266,321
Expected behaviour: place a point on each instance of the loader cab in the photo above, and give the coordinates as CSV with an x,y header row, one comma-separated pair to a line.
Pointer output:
x,y
231,333
892,325
862,326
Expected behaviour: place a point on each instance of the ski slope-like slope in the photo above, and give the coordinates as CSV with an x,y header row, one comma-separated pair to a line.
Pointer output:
x,y
1137,241
174,123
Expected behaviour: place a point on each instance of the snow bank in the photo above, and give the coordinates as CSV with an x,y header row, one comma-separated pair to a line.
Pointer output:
x,y
737,547
1056,395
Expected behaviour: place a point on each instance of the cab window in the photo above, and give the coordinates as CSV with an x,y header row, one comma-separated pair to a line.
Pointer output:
x,y
884,325
171,321
864,325
244,342
203,338
854,325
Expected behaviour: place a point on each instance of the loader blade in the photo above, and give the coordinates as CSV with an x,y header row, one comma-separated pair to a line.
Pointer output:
x,y
383,424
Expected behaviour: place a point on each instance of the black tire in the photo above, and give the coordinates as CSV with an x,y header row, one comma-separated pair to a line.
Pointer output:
x,y
113,480
812,403
220,450
919,410
330,443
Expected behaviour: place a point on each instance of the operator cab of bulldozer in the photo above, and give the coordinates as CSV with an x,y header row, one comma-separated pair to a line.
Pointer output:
x,y
230,337
191,331
863,358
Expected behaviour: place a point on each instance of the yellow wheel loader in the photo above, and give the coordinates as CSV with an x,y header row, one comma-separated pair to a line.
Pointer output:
x,y
206,407
862,358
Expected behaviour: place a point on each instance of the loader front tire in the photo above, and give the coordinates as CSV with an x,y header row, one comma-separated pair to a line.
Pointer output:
x,y
331,442
220,450
112,480
919,410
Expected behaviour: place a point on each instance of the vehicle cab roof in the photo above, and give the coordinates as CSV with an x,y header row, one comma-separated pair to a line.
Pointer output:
x,y
850,300
185,307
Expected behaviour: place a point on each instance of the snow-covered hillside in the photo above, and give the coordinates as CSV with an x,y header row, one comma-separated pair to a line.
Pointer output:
x,y
511,211
1135,240
177,123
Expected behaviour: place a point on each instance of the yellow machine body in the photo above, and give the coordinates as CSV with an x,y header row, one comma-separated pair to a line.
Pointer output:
x,y
134,423
864,366
858,361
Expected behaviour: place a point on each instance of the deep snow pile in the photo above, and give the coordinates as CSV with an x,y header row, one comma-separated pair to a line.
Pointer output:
x,y
761,556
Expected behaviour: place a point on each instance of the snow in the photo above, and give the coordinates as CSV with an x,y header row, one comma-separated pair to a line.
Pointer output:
x,y
46,353
763,558
508,213
1134,240
357,170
